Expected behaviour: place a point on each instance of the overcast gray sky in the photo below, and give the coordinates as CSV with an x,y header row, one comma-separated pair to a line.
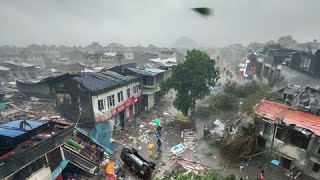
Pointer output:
x,y
159,22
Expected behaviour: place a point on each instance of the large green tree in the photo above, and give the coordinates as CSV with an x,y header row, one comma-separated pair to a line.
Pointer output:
x,y
287,41
271,46
192,79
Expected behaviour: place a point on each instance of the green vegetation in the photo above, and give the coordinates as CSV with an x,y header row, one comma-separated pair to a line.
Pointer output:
x,y
182,117
191,80
241,146
272,46
228,101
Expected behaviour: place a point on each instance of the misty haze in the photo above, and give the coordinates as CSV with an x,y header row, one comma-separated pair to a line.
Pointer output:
x,y
159,89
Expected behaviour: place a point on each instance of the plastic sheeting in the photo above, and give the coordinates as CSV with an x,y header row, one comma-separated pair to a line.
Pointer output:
x,y
59,169
12,129
101,134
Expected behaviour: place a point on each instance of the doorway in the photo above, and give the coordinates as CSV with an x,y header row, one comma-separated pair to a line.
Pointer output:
x,y
122,117
285,162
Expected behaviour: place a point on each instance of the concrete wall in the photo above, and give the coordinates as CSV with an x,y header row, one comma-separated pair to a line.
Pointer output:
x,y
128,55
301,158
106,113
151,101
265,134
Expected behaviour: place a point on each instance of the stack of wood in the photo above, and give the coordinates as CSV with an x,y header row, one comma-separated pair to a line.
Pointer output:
x,y
193,166
189,139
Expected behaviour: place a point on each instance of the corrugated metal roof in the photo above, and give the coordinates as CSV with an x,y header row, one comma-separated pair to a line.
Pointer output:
x,y
156,70
142,72
4,68
94,81
12,129
273,111
19,64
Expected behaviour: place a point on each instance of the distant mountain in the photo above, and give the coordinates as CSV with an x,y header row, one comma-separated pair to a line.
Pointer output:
x,y
185,43
115,45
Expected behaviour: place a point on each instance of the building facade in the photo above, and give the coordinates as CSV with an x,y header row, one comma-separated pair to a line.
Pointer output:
x,y
99,97
289,136
268,66
150,80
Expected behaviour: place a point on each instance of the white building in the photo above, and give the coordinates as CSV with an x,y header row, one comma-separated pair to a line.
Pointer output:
x,y
99,97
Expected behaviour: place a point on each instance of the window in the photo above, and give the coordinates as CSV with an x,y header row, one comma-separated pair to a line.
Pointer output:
x,y
148,81
128,93
300,140
316,167
266,128
111,101
120,96
279,134
100,104
319,150
261,142
136,88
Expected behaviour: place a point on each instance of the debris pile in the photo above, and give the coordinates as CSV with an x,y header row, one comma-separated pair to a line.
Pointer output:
x,y
19,107
189,139
241,146
191,166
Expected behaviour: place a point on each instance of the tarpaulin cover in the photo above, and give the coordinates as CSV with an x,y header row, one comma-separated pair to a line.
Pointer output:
x,y
59,169
101,134
3,106
12,129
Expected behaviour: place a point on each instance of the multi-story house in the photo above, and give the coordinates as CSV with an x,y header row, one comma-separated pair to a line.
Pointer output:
x,y
150,79
103,101
289,136
268,66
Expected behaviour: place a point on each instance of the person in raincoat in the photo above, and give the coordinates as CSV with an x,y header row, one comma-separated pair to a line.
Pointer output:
x,y
157,121
159,144
150,149
110,175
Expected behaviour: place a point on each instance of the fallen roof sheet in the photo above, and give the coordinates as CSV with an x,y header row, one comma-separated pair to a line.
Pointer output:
x,y
273,111
12,129
19,64
4,68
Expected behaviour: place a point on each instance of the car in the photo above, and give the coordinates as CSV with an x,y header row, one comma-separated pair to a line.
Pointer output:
x,y
136,163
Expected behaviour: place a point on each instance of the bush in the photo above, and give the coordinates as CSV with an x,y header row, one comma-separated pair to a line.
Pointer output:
x,y
181,117
203,111
225,102
242,91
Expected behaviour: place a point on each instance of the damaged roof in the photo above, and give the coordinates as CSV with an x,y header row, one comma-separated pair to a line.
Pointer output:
x,y
290,116
12,129
96,82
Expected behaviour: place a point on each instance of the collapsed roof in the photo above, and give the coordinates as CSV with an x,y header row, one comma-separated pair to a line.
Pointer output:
x,y
280,113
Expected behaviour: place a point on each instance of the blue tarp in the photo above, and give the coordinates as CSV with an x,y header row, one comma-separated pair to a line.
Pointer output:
x,y
59,169
275,162
12,129
3,106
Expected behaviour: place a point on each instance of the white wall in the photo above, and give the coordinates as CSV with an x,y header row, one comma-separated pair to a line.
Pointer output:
x,y
105,114
150,101
44,173
128,55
